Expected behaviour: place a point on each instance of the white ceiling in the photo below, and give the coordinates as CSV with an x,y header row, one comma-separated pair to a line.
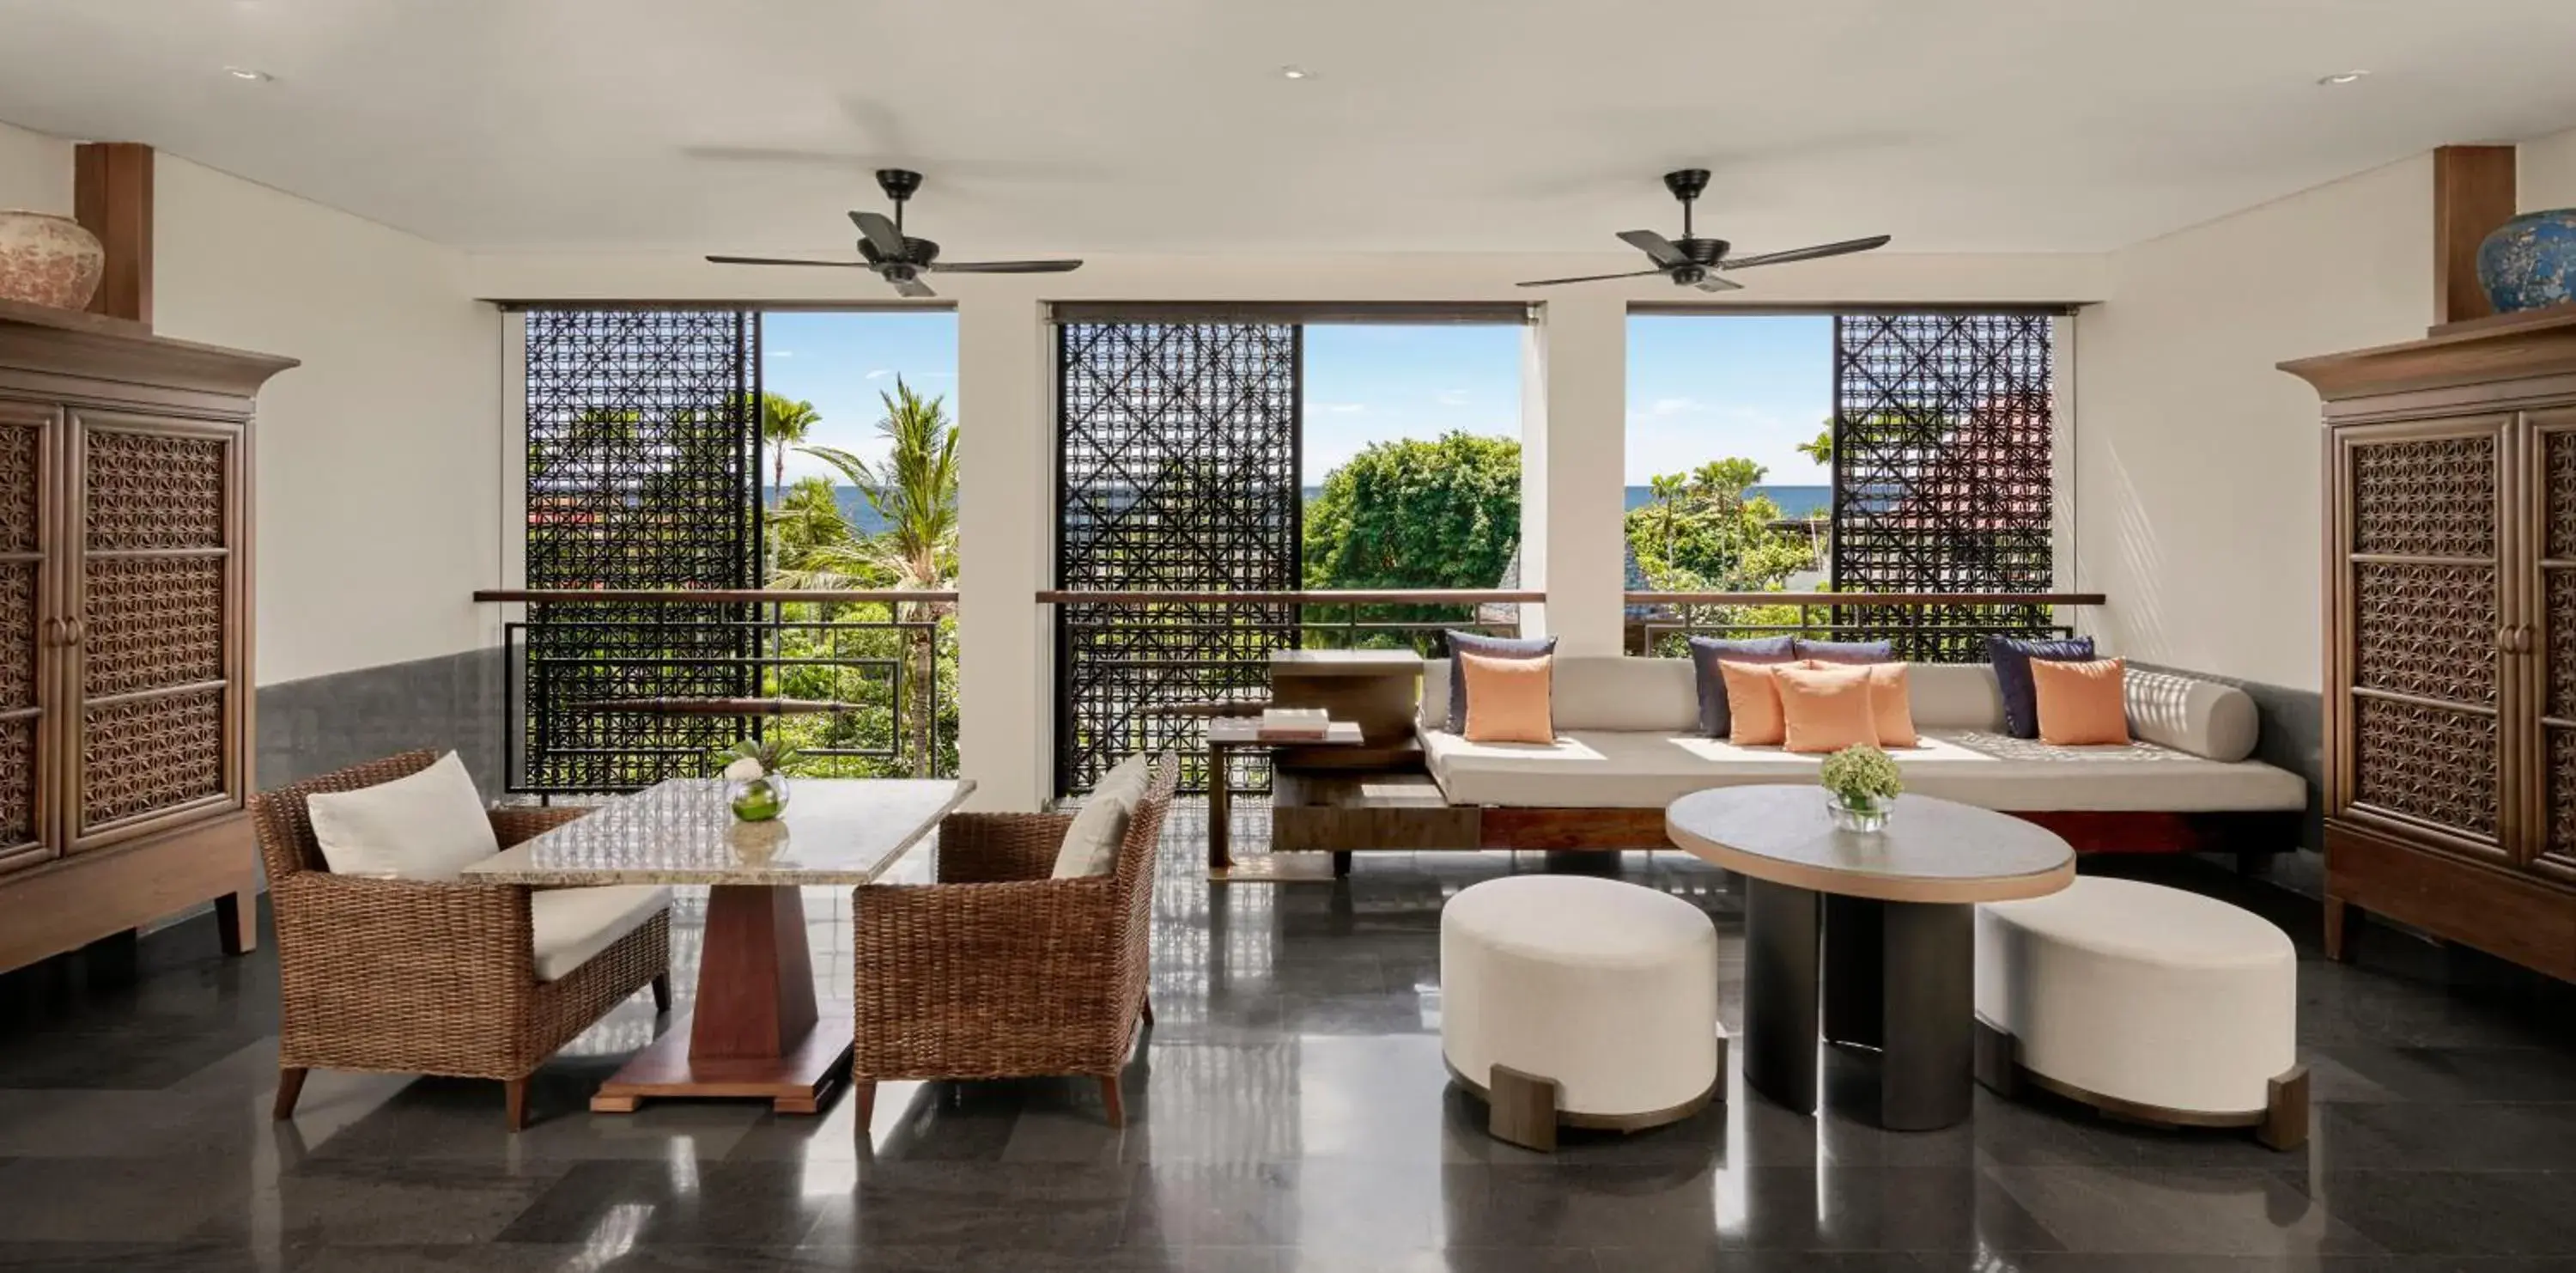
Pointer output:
x,y
1163,125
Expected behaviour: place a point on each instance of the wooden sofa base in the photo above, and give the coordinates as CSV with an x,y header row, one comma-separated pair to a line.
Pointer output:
x,y
1495,827
2282,1123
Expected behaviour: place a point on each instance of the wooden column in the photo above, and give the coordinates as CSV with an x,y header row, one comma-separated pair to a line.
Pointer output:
x,y
2472,195
112,198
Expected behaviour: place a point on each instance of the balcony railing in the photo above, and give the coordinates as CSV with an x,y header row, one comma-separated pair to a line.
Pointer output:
x,y
1925,627
614,690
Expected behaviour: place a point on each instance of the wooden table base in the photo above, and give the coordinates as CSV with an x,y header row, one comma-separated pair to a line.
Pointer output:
x,y
756,1032
802,1082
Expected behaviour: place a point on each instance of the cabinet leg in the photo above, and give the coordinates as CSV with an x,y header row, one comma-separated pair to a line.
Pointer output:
x,y
2342,922
237,922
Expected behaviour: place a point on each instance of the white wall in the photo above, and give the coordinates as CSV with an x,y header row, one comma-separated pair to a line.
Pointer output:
x,y
2545,174
35,172
379,458
2197,460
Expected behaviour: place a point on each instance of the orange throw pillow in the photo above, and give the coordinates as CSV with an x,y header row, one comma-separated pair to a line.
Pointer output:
x,y
1752,704
1825,709
2081,704
1508,699
1891,701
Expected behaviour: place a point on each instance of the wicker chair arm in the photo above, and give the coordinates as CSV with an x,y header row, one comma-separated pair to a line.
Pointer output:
x,y
370,935
1006,939
516,824
986,848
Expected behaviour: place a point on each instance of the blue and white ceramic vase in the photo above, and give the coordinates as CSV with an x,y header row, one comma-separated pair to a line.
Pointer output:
x,y
2530,261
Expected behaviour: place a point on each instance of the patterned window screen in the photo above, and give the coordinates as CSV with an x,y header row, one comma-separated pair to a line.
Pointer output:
x,y
1177,461
643,472
1944,427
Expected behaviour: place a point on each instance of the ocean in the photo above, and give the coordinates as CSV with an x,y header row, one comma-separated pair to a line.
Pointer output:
x,y
1794,501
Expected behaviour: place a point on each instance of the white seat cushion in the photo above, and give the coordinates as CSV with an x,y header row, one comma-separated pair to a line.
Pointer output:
x,y
1604,769
427,826
1606,987
1090,845
570,925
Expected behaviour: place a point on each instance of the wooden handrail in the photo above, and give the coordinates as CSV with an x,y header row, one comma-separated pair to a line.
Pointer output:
x,y
707,596
1867,598
1315,597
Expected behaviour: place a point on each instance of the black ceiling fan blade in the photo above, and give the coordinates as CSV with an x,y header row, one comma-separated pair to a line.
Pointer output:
x,y
1843,248
880,232
1588,278
1003,267
912,287
1718,283
1655,245
776,260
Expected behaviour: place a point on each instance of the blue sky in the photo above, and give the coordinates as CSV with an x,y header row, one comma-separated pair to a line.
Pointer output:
x,y
1699,388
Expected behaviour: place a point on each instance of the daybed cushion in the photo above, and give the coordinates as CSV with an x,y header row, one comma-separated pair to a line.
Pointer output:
x,y
569,925
1617,769
2204,718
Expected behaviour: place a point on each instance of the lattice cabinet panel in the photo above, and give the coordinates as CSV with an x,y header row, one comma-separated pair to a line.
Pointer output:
x,y
1178,469
2558,628
2558,839
2426,630
1944,447
154,623
2431,497
27,433
141,756
643,472
2558,477
147,491
2428,762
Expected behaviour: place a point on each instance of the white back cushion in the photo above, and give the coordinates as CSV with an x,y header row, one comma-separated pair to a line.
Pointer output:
x,y
1954,696
428,826
1609,692
1091,844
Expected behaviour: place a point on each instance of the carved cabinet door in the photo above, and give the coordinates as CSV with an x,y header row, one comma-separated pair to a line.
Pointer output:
x,y
2420,611
2546,644
158,668
30,697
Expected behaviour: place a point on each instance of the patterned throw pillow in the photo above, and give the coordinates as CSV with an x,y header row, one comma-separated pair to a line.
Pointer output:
x,y
2011,657
1707,652
1491,647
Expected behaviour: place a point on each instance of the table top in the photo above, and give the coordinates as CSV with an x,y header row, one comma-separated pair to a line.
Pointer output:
x,y
1245,731
1932,850
835,831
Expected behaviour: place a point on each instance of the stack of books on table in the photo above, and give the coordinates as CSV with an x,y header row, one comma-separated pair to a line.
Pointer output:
x,y
1294,724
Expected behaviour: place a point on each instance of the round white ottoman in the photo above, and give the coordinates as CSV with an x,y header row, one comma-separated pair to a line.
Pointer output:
x,y
2147,1002
1577,1000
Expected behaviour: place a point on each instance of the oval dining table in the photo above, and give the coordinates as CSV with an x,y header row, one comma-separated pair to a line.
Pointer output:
x,y
1882,922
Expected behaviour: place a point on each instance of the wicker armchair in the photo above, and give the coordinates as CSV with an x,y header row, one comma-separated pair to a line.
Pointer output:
x,y
997,971
422,977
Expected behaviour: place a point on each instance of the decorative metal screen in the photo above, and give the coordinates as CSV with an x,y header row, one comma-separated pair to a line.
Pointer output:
x,y
643,466
1178,465
1943,446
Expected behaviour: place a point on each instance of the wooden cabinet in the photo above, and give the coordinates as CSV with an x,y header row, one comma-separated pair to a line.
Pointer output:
x,y
125,634
2450,636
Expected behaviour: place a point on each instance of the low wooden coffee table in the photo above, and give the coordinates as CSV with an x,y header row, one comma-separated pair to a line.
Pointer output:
x,y
1227,735
1895,910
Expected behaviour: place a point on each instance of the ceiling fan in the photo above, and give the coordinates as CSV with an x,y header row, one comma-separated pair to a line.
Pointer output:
x,y
1691,261
898,258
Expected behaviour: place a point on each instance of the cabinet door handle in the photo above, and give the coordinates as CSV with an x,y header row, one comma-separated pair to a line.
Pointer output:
x,y
2505,639
53,632
74,631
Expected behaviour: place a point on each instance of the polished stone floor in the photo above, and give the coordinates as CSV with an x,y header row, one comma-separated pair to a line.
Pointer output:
x,y
1289,1113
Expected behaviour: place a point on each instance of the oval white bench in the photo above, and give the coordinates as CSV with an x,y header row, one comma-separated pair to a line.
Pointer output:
x,y
1580,1001
2145,1002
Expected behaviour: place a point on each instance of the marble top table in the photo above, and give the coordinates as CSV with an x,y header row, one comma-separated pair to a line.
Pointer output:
x,y
755,1031
1882,922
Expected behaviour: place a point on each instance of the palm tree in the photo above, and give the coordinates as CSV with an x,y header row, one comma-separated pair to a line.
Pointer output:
x,y
784,422
1666,488
1724,482
914,492
1822,449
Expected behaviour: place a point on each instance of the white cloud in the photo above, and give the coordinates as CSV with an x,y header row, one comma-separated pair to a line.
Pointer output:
x,y
782,353
880,373
1341,408
1451,398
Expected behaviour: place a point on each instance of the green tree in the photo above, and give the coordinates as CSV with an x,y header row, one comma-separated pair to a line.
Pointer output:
x,y
914,492
1668,489
785,422
1822,449
1417,513
1724,482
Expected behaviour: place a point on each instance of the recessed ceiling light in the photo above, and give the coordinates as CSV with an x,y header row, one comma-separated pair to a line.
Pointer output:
x,y
248,74
2341,77
1295,73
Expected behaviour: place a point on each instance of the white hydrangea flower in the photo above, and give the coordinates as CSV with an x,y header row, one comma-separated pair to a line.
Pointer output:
x,y
744,770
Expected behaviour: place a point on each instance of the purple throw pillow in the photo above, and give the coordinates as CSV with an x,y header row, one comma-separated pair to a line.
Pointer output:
x,y
1707,652
1847,651
2011,657
1490,647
